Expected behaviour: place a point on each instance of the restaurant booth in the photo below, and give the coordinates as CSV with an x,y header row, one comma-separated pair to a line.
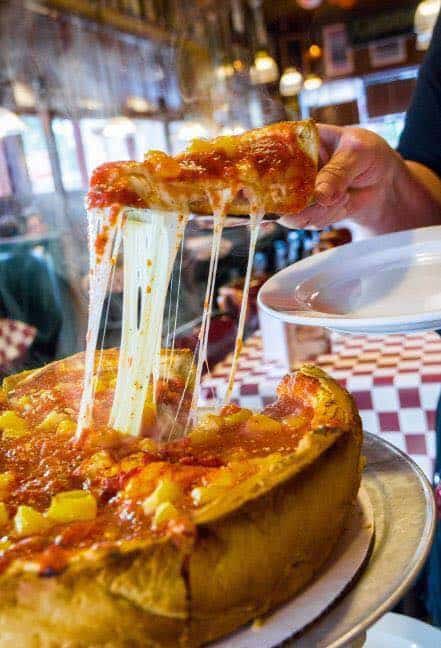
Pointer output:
x,y
86,82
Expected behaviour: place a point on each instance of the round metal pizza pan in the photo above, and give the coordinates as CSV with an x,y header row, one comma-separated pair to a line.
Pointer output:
x,y
404,512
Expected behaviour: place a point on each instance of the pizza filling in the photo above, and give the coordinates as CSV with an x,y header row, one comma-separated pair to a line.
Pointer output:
x,y
60,496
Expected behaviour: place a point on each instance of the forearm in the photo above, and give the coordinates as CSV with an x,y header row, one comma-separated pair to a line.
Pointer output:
x,y
412,198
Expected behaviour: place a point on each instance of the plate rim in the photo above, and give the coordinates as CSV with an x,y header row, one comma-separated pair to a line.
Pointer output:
x,y
419,557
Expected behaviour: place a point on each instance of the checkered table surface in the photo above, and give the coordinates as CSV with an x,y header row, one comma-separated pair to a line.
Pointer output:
x,y
395,379
15,339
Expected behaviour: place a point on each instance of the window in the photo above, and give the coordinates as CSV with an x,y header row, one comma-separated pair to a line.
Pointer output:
x,y
37,156
97,147
150,134
68,155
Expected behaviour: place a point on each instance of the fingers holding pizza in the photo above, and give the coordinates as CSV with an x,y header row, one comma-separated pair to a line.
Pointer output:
x,y
354,179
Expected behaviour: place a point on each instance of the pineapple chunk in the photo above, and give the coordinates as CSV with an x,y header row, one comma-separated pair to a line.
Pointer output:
x,y
219,484
51,421
294,422
66,427
207,429
12,425
6,479
72,506
262,423
165,492
28,521
148,445
165,512
99,465
4,544
238,417
4,515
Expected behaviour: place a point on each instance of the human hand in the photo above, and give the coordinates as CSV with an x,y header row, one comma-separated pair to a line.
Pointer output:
x,y
355,178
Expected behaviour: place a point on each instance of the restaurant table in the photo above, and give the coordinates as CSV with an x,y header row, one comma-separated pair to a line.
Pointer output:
x,y
15,339
395,379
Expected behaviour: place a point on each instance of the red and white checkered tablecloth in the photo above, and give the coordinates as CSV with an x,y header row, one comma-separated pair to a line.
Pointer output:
x,y
15,339
395,379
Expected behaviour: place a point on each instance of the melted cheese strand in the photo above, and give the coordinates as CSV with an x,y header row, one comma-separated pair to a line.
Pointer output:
x,y
254,225
175,319
218,225
150,247
103,225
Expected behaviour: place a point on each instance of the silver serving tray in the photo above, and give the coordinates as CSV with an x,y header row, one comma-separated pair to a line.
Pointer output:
x,y
404,510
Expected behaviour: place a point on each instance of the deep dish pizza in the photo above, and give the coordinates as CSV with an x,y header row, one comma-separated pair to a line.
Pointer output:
x,y
129,518
116,540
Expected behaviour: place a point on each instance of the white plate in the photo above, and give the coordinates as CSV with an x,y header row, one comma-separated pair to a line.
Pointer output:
x,y
386,284
399,631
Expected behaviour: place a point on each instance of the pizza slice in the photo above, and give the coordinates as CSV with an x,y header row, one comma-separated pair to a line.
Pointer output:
x,y
271,169
146,205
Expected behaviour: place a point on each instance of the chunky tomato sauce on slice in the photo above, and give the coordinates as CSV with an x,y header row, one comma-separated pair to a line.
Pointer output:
x,y
268,163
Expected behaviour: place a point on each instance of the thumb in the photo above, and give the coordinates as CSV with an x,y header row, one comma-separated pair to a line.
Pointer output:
x,y
336,177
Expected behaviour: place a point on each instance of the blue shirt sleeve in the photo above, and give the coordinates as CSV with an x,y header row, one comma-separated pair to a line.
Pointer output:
x,y
421,138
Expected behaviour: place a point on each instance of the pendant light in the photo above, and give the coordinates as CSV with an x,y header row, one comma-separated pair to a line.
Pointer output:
x,y
425,19
312,81
264,69
309,4
291,82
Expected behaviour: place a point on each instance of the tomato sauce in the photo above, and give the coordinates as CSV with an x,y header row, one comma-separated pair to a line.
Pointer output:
x,y
47,461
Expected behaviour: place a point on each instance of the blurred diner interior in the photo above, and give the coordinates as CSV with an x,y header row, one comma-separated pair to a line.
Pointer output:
x,y
83,82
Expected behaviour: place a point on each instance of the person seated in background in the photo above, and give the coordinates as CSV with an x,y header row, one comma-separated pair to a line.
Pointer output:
x,y
29,291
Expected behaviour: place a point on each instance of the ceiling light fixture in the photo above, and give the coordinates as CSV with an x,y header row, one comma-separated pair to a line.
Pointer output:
x,y
312,82
264,70
309,4
425,19
225,70
23,94
291,82
139,104
315,51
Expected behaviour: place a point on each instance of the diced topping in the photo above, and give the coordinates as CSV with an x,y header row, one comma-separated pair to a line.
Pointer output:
x,y
259,423
294,422
51,421
66,427
238,417
72,506
6,479
29,521
204,494
207,429
4,515
12,425
5,543
164,513
165,492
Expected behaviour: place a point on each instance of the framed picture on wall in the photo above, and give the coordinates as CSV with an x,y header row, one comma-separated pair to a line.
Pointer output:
x,y
338,54
390,51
